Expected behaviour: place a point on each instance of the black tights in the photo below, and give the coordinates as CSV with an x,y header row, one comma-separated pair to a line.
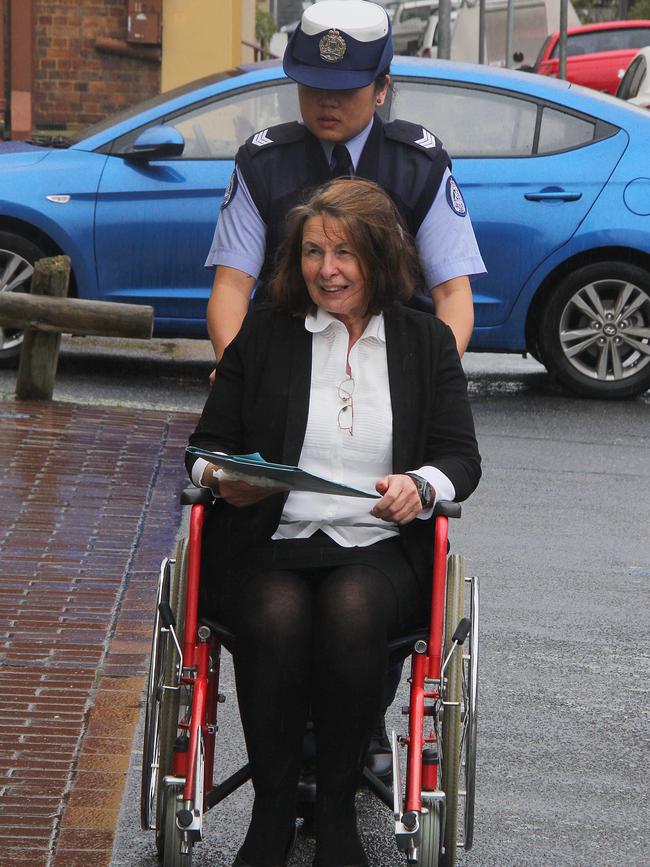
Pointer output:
x,y
315,638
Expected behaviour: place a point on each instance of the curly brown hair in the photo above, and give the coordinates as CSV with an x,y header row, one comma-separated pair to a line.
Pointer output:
x,y
376,232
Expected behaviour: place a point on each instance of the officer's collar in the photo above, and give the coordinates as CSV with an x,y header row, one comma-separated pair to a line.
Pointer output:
x,y
355,145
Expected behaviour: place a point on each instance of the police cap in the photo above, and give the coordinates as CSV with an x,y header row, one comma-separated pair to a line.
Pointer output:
x,y
339,45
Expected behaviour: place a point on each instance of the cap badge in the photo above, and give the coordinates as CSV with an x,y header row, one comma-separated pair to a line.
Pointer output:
x,y
332,47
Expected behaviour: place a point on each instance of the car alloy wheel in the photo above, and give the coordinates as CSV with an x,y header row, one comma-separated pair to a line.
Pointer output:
x,y
595,332
17,257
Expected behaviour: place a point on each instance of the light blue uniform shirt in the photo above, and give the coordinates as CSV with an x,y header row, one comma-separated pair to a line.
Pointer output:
x,y
445,241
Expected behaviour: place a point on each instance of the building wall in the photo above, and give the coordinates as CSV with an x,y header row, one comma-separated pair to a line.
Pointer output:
x,y
75,83
83,65
203,36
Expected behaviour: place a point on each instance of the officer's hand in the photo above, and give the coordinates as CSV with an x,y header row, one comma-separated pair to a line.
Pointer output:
x,y
400,502
213,376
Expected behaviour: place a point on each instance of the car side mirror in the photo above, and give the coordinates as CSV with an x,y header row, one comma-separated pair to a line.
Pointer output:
x,y
156,142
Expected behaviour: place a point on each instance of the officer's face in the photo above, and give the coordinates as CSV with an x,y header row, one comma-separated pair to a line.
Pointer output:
x,y
339,115
332,271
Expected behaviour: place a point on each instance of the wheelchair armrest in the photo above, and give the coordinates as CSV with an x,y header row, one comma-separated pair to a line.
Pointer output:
x,y
194,496
447,508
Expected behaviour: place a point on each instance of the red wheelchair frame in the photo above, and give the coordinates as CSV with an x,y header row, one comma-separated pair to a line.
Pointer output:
x,y
183,697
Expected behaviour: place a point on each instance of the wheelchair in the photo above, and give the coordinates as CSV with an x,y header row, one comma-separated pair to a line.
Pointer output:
x,y
432,796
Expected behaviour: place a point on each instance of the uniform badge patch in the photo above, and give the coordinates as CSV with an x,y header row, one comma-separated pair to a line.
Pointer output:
x,y
231,189
260,138
332,47
427,141
455,198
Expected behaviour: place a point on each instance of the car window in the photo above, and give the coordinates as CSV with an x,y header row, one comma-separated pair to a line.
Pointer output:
x,y
605,40
421,12
638,78
560,131
479,122
624,90
469,121
215,130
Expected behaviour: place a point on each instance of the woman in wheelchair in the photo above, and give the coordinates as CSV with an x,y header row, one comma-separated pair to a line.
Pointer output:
x,y
337,376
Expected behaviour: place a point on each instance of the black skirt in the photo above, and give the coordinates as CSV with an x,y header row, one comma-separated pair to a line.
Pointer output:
x,y
312,557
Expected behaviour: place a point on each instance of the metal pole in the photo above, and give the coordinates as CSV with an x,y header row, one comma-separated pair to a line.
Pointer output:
x,y
444,29
481,31
564,18
510,29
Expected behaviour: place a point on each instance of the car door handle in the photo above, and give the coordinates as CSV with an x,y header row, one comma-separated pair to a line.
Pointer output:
x,y
553,196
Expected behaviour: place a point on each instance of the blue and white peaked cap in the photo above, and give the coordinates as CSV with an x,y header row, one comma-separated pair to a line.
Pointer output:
x,y
339,45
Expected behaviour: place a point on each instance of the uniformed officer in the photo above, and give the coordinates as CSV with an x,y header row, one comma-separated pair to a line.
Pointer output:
x,y
340,57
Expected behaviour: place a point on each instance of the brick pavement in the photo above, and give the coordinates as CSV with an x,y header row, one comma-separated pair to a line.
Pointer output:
x,y
88,506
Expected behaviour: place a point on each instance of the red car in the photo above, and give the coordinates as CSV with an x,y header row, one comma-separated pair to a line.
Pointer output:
x,y
597,54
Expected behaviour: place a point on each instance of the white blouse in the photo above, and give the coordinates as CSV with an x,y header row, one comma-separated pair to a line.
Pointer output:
x,y
358,458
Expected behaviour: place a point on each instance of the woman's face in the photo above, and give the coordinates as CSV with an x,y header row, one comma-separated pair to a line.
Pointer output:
x,y
332,271
339,115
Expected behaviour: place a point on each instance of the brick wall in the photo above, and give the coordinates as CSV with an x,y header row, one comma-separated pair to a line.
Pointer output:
x,y
74,83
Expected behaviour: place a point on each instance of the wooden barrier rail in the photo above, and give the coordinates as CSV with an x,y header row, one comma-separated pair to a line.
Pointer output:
x,y
46,313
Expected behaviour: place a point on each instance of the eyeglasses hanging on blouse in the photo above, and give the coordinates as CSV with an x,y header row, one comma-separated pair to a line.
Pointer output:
x,y
345,419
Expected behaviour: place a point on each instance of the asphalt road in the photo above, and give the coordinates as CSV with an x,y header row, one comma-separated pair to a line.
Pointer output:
x,y
558,533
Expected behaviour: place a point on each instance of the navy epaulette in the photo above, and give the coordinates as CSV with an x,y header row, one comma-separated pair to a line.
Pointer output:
x,y
283,133
414,135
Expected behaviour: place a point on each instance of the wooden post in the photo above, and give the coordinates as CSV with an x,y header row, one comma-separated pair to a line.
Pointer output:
x,y
39,355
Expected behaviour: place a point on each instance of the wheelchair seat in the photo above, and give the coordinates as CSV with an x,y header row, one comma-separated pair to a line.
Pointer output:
x,y
397,648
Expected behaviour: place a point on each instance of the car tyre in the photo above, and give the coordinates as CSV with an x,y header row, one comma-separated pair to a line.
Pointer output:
x,y
17,257
594,334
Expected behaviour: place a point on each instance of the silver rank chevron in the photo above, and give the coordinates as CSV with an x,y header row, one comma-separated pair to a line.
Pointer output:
x,y
427,140
260,138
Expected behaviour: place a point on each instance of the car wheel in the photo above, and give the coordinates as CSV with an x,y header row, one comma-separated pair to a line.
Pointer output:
x,y
17,257
594,332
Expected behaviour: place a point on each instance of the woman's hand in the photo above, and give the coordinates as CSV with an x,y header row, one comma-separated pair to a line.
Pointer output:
x,y
400,502
241,494
235,491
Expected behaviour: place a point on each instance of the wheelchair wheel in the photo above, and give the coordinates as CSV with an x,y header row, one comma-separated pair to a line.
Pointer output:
x,y
151,743
470,703
429,850
173,857
173,701
452,723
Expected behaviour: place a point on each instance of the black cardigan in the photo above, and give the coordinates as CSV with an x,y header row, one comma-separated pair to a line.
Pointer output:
x,y
260,402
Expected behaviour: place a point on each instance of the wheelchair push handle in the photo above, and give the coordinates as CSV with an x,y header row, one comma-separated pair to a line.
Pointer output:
x,y
462,631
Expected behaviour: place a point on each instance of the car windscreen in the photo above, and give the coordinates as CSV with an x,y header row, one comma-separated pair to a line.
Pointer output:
x,y
159,99
605,40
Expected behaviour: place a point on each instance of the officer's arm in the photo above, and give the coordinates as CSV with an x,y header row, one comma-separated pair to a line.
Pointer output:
x,y
228,304
448,266
452,302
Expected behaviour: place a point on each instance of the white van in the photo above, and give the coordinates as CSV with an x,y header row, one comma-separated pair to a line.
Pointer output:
x,y
409,19
533,21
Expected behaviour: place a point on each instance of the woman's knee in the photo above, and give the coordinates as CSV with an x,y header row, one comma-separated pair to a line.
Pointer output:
x,y
275,606
357,601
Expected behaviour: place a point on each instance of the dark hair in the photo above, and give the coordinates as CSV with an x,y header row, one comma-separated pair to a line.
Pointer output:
x,y
380,80
376,232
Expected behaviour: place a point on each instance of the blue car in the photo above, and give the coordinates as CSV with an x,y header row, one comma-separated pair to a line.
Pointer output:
x,y
556,178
